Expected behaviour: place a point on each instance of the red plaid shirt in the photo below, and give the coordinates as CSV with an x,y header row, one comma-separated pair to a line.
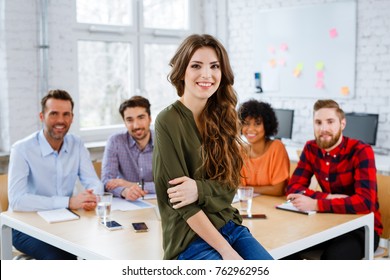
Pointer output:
x,y
347,169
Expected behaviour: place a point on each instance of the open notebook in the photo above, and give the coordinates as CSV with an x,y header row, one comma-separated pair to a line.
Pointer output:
x,y
58,215
288,206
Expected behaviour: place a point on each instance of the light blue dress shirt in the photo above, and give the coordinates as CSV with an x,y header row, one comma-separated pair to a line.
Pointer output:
x,y
40,178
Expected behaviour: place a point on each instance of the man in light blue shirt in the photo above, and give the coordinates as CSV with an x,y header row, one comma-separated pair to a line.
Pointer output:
x,y
43,171
127,159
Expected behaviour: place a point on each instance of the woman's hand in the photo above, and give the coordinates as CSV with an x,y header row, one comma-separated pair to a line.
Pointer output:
x,y
183,193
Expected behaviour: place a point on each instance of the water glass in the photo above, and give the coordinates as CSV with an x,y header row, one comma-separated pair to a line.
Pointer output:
x,y
245,195
103,209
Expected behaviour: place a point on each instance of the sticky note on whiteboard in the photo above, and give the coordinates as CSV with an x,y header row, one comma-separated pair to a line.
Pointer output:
x,y
333,33
344,90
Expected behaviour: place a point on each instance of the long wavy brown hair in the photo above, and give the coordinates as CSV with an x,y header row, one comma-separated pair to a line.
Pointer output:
x,y
221,142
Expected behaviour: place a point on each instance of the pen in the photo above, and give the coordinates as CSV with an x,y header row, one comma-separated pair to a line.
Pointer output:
x,y
73,212
291,199
142,186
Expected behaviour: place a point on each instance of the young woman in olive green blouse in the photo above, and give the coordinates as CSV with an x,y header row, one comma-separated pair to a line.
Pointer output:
x,y
196,159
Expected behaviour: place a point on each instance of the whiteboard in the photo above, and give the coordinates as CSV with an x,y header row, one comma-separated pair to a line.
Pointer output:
x,y
307,51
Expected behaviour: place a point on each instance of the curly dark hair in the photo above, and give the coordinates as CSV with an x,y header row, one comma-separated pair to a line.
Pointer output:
x,y
260,110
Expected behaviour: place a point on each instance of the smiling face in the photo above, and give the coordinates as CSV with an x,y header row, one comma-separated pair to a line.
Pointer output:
x,y
253,130
137,122
328,128
203,76
56,118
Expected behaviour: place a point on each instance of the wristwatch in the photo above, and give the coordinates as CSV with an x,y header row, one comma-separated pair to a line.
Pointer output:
x,y
122,196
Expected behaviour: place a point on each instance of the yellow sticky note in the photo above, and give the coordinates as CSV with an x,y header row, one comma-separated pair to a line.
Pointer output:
x,y
299,66
272,62
297,72
319,65
344,90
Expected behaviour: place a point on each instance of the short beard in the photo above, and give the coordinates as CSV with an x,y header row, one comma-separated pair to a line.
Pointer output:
x,y
331,143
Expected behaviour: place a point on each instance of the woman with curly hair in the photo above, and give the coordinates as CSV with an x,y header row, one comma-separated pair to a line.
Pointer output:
x,y
195,161
266,162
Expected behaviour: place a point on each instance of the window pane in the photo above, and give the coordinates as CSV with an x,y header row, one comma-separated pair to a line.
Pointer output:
x,y
159,90
113,12
166,14
105,80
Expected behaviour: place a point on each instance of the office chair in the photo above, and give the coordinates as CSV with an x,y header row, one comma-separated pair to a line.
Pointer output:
x,y
4,207
384,207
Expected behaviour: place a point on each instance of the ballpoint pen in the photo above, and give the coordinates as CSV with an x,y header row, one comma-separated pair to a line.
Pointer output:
x,y
291,199
73,212
142,186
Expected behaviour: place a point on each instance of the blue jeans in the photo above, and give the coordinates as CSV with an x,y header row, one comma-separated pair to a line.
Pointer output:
x,y
38,249
238,237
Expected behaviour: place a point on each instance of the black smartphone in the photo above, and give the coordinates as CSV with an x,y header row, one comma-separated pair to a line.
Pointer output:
x,y
112,225
254,216
140,227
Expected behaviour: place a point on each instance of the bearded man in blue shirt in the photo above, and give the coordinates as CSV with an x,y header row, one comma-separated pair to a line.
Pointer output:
x,y
43,171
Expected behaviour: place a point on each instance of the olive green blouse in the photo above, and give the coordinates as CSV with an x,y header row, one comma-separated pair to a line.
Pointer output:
x,y
176,154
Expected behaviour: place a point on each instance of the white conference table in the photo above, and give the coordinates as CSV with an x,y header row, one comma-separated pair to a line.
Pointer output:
x,y
282,233
86,238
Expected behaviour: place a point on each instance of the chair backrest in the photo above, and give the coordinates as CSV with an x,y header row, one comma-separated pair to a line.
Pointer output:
x,y
3,192
293,165
98,168
383,182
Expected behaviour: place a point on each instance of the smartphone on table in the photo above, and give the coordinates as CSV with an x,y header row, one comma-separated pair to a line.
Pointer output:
x,y
140,227
253,216
112,225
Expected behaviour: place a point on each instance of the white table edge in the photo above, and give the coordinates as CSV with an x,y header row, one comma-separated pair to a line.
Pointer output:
x,y
366,221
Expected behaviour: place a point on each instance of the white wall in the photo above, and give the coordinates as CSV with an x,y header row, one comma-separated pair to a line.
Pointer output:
x,y
20,83
19,74
372,69
3,81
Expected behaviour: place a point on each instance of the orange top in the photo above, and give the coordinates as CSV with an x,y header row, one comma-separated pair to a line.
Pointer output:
x,y
269,169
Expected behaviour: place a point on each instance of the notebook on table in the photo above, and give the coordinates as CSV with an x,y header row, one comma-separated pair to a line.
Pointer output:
x,y
58,215
288,206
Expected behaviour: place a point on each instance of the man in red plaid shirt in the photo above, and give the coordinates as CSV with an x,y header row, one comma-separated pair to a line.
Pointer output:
x,y
345,170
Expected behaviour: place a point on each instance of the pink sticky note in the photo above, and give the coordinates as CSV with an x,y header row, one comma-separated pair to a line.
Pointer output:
x,y
333,33
320,75
320,84
282,62
283,47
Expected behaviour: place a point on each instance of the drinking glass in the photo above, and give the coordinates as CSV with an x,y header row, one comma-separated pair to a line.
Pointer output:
x,y
245,195
103,209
